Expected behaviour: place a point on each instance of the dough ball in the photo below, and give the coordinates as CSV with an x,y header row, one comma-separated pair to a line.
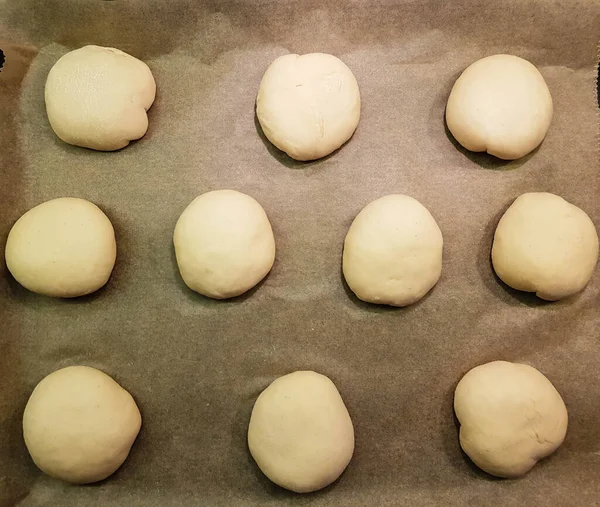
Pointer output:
x,y
309,105
79,425
63,248
510,417
393,252
544,244
98,97
500,104
300,434
224,244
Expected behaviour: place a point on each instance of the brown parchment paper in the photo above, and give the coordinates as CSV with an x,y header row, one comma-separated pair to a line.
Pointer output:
x,y
194,365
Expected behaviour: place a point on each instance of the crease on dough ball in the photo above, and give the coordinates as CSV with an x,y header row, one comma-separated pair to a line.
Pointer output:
x,y
224,244
546,245
64,248
98,98
510,416
308,105
393,252
79,425
300,432
500,104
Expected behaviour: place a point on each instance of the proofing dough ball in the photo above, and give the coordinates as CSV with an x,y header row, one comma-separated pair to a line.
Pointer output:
x,y
511,416
224,244
79,425
98,97
309,105
544,244
500,104
63,248
300,434
393,251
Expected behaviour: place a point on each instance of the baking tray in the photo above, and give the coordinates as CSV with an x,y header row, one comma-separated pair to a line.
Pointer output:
x,y
195,366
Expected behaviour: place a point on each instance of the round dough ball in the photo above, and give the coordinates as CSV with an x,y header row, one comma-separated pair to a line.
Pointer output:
x,y
510,417
63,248
300,434
79,425
309,105
393,251
224,244
500,104
544,244
98,97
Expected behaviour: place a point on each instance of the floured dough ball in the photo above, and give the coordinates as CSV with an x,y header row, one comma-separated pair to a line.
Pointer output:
x,y
79,425
300,434
510,417
544,244
500,104
97,98
224,244
393,251
309,105
63,248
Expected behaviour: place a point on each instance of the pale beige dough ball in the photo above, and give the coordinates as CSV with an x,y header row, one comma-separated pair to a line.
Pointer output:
x,y
97,97
308,105
393,251
300,433
500,104
63,248
510,417
546,245
79,425
224,244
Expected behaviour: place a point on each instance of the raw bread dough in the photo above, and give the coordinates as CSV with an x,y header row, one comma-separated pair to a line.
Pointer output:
x,y
544,244
79,425
98,97
224,244
300,434
511,416
63,248
393,251
500,104
309,105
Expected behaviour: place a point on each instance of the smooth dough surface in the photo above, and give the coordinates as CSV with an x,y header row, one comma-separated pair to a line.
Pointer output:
x,y
546,245
224,244
300,433
79,425
308,105
510,417
500,104
393,251
63,248
97,97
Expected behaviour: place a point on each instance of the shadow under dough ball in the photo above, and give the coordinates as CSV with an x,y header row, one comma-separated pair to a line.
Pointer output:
x,y
62,248
79,425
98,97
500,104
224,244
393,252
510,416
546,245
300,433
308,105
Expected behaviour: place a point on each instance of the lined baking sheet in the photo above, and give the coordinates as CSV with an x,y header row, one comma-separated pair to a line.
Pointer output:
x,y
195,365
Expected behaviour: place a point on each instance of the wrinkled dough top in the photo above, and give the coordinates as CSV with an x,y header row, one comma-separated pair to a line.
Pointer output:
x,y
511,416
309,105
97,98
